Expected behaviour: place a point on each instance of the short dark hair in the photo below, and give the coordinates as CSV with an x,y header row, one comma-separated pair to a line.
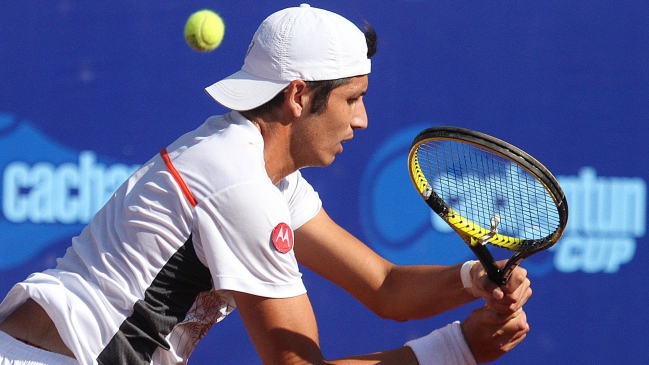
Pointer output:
x,y
321,89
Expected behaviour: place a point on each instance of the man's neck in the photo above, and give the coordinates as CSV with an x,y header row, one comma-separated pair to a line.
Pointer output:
x,y
277,145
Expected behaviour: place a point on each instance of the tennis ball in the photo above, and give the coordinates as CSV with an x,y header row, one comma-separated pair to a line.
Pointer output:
x,y
204,30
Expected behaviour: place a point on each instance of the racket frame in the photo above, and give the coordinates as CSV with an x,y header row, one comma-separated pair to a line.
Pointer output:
x,y
471,233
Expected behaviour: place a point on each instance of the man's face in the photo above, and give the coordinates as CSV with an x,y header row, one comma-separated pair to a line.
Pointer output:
x,y
320,136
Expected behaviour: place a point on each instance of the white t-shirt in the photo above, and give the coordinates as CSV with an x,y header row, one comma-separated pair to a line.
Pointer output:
x,y
155,268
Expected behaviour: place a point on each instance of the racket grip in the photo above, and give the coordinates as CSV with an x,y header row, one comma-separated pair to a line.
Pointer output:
x,y
494,273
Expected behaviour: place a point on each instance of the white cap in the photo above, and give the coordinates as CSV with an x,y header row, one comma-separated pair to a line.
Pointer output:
x,y
302,43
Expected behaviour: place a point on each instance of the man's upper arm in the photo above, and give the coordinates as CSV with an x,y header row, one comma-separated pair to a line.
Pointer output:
x,y
283,331
333,253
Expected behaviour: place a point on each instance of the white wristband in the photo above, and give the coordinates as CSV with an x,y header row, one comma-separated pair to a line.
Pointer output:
x,y
465,274
444,346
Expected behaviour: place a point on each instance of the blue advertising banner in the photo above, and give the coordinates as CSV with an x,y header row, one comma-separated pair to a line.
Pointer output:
x,y
91,90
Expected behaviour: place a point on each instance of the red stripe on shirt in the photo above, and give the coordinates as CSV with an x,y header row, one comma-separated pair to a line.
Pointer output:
x,y
179,180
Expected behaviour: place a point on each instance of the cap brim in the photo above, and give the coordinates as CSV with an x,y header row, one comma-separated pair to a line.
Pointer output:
x,y
243,91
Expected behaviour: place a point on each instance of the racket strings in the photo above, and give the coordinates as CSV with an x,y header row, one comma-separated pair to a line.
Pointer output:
x,y
479,185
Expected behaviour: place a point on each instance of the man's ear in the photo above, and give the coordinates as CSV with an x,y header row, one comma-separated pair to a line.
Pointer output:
x,y
298,98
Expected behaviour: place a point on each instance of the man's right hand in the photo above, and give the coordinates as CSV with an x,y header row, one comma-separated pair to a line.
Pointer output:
x,y
490,335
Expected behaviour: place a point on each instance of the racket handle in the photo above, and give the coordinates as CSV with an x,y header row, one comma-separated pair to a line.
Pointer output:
x,y
494,273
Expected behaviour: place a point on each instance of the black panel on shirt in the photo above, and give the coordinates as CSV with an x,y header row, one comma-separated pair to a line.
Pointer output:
x,y
166,303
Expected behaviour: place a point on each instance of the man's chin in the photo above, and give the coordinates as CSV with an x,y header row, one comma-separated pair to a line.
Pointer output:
x,y
323,163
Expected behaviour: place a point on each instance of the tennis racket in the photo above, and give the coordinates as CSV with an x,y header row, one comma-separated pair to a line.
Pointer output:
x,y
489,192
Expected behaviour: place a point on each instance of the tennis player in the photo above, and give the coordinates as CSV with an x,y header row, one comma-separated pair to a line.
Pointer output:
x,y
220,219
